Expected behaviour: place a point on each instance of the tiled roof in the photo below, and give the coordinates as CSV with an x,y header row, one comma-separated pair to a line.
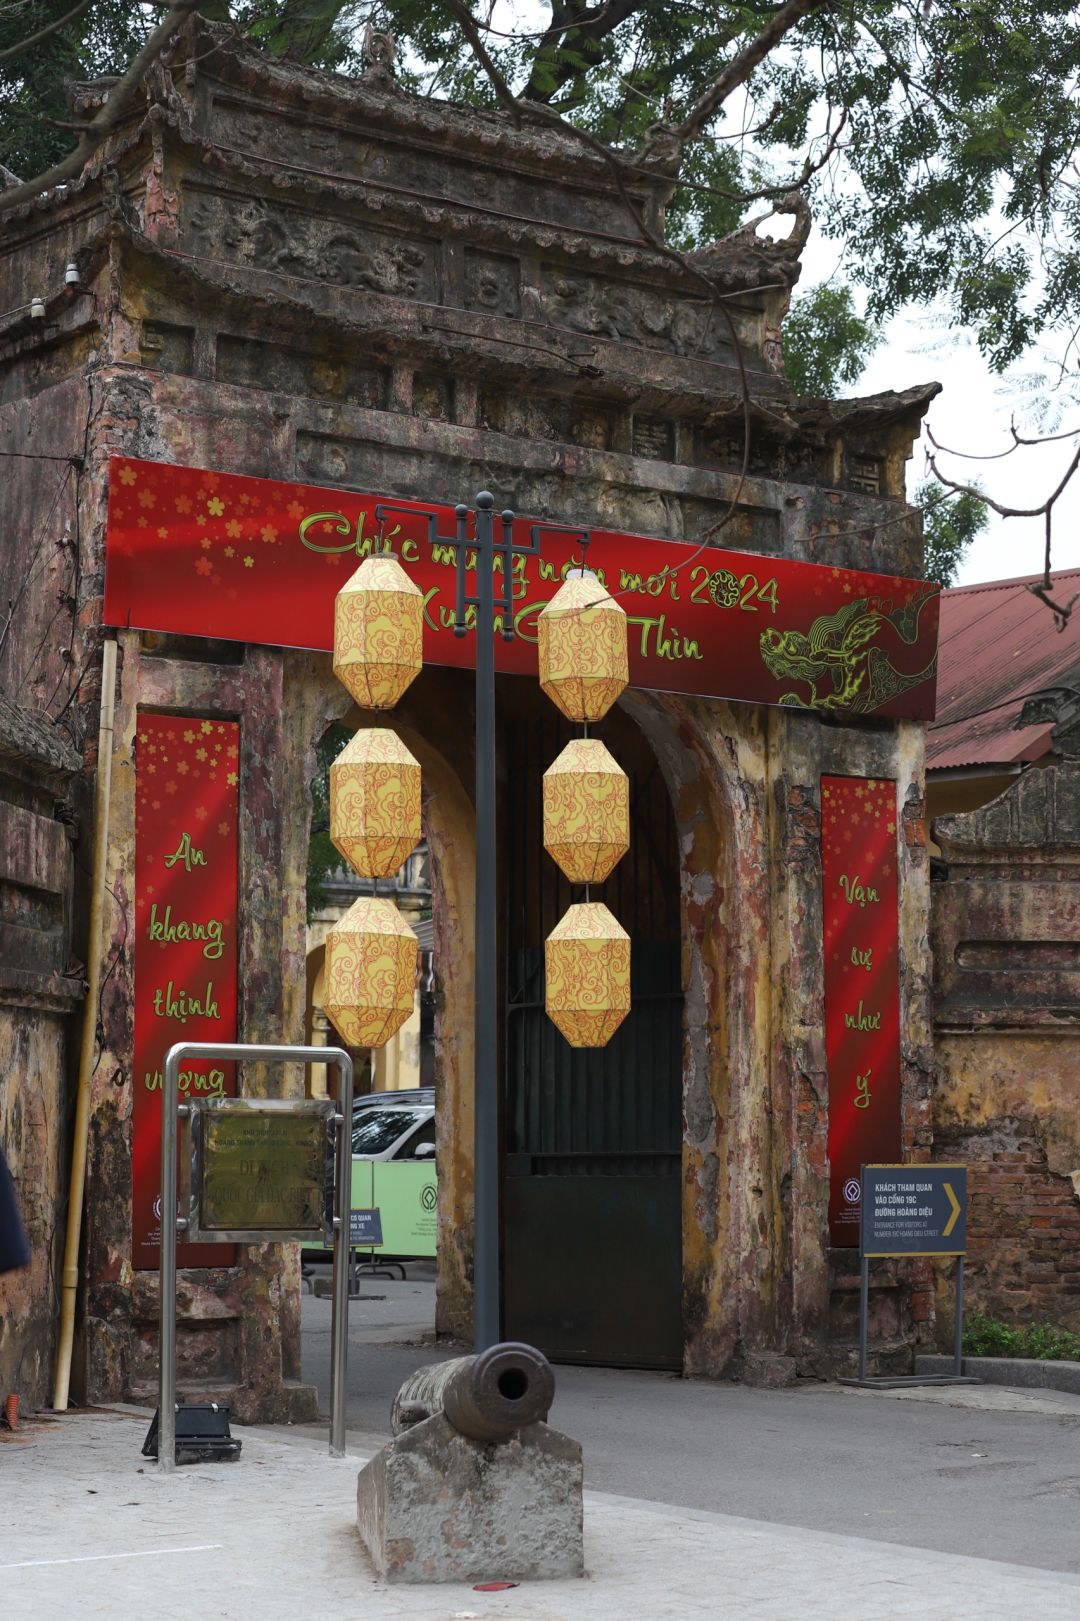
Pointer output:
x,y
998,645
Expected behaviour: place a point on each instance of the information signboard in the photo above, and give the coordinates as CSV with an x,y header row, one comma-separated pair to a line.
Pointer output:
x,y
262,1170
365,1229
914,1210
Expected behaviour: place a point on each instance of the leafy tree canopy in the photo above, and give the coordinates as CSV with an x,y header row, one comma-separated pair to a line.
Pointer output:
x,y
949,527
826,342
946,130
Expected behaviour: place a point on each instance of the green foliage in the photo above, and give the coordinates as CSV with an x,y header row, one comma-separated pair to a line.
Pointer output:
x,y
323,857
950,524
987,1336
826,341
954,180
102,41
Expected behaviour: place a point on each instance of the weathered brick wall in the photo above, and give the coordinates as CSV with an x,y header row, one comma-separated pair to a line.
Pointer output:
x,y
1024,1222
1006,941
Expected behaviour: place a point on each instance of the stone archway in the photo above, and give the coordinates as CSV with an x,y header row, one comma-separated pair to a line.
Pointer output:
x,y
716,763
434,714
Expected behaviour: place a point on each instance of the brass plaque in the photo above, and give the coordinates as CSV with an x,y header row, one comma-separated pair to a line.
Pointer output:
x,y
262,1171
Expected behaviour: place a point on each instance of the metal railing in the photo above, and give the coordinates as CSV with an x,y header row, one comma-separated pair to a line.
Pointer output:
x,y
172,1222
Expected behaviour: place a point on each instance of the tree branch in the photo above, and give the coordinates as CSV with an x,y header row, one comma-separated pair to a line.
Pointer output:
x,y
742,65
43,33
480,51
1061,611
585,31
106,120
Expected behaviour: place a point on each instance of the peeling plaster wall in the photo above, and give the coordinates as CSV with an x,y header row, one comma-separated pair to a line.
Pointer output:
x,y
40,995
1006,935
32,1119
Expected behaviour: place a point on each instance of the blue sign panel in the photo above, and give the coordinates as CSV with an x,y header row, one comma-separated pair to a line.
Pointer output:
x,y
914,1209
365,1228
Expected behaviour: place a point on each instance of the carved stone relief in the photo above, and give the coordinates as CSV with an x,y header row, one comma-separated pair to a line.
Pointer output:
x,y
267,236
443,475
654,438
432,171
491,284
257,364
626,313
288,140
567,421
432,397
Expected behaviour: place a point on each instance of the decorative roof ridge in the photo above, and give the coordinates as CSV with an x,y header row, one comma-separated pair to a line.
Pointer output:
x,y
745,273
795,415
212,274
888,402
492,130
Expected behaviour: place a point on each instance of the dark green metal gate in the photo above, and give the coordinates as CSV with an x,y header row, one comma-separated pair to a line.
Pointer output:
x,y
592,1243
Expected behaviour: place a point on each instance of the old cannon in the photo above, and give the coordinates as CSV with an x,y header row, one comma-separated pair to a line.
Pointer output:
x,y
485,1397
475,1486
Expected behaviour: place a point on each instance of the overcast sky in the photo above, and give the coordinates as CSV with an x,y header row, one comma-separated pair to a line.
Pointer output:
x,y
972,413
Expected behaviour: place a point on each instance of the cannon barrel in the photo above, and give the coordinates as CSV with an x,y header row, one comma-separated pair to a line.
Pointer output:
x,y
486,1397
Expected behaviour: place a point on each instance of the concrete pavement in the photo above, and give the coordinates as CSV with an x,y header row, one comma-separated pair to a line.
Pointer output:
x,y
962,1470
91,1530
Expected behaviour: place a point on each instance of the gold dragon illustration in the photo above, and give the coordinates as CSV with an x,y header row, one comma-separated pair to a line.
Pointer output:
x,y
842,649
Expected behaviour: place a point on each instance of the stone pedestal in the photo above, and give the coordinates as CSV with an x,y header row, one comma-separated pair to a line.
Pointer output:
x,y
434,1506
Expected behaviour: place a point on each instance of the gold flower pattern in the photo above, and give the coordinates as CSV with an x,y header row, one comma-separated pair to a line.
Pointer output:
x,y
582,649
587,971
375,803
378,633
586,811
370,973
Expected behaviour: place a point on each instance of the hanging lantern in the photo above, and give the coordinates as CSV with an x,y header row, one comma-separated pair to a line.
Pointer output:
x,y
375,803
378,633
370,973
587,964
583,661
586,811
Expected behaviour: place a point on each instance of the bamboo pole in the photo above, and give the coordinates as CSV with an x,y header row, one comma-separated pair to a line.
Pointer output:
x,y
70,1275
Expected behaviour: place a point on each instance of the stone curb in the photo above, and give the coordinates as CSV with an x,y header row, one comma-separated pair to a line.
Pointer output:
x,y
1022,1373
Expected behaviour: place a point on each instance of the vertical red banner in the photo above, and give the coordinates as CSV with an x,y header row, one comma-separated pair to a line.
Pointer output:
x,y
186,881
862,987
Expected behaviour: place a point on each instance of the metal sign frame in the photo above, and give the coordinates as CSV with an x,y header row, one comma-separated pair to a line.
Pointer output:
x,y
201,1161
900,1381
172,1222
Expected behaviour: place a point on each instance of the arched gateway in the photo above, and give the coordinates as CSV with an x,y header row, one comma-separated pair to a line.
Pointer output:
x,y
438,302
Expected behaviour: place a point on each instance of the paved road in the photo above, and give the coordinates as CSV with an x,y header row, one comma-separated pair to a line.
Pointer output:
x,y
981,1479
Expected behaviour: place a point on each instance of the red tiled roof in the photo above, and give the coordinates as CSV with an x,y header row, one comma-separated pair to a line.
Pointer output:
x,y
998,646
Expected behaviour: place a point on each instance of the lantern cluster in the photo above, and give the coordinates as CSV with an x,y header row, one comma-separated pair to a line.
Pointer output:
x,y
371,954
583,669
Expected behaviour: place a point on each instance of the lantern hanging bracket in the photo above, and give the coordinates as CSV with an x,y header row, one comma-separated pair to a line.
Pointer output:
x,y
507,548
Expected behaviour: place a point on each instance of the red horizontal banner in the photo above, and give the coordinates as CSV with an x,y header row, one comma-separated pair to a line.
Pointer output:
x,y
250,559
862,987
186,864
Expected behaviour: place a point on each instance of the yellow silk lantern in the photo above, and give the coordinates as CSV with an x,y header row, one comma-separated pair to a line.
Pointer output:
x,y
375,803
582,648
586,811
587,966
370,973
378,633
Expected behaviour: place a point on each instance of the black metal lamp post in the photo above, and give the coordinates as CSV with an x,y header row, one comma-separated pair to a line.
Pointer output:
x,y
485,603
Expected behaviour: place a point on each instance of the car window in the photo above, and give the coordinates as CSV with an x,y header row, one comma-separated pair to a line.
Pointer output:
x,y
426,1134
376,1130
